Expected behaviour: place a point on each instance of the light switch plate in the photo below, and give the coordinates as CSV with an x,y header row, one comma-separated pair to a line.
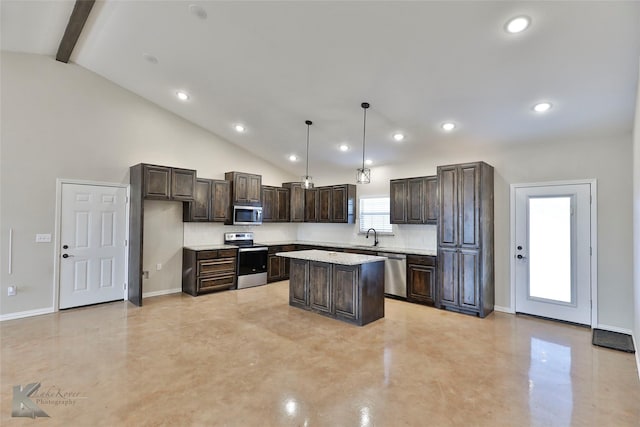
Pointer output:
x,y
43,238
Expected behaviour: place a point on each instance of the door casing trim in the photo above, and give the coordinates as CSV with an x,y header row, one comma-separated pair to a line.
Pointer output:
x,y
593,184
58,230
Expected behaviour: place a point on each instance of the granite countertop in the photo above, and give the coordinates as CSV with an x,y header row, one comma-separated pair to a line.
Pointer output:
x,y
332,257
210,247
406,251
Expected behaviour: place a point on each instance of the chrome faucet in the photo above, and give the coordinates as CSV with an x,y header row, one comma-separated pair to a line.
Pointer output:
x,y
375,236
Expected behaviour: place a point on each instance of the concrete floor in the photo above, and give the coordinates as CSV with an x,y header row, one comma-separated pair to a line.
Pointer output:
x,y
245,358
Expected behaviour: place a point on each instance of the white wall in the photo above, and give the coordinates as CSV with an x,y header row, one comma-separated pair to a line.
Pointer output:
x,y
636,226
609,160
62,121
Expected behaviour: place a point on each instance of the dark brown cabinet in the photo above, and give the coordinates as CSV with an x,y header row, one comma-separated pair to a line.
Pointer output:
x,y
421,279
465,238
275,204
210,204
352,293
206,271
246,188
324,204
311,205
413,200
278,267
343,203
296,201
167,183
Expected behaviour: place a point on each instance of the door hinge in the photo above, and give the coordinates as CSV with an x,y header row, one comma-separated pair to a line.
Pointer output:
x,y
126,242
126,199
590,251
124,286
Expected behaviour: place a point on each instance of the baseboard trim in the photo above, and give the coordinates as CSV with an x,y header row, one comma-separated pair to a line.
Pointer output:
x,y
503,309
27,313
615,329
161,292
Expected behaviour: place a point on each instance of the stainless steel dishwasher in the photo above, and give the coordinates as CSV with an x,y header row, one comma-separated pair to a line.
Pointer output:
x,y
395,274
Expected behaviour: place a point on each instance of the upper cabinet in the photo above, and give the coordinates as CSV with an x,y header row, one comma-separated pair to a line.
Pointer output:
x,y
246,188
275,204
311,205
343,203
414,200
167,183
296,201
211,202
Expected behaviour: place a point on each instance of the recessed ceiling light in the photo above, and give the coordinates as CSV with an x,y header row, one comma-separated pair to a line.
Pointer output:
x,y
517,24
368,162
182,95
542,107
448,126
150,58
293,158
398,136
239,128
198,11
344,147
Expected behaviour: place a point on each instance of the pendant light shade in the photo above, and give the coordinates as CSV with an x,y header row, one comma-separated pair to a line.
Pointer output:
x,y
363,175
307,181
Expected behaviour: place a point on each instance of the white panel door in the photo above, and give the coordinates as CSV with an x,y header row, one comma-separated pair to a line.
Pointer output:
x,y
92,244
552,247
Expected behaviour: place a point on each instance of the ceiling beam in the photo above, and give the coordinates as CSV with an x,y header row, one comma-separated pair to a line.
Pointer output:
x,y
71,34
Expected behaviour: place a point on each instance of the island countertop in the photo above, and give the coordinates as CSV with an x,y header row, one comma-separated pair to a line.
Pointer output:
x,y
331,257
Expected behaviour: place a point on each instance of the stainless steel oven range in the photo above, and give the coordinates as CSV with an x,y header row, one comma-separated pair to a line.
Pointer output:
x,y
252,259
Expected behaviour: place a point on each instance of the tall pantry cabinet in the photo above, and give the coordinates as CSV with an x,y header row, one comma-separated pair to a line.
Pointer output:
x,y
465,238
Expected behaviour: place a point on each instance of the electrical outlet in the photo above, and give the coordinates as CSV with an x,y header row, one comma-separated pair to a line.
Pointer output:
x,y
158,267
12,290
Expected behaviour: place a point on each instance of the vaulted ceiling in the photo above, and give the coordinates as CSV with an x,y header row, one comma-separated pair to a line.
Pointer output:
x,y
272,65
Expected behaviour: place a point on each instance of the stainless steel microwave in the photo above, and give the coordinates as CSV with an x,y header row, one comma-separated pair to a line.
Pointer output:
x,y
247,215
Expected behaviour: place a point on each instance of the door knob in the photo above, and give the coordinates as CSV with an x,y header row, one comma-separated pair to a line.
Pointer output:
x,y
66,255
520,256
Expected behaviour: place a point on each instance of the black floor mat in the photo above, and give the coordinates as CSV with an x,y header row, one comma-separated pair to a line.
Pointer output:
x,y
614,340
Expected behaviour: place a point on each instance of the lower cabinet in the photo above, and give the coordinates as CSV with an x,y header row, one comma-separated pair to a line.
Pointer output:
x,y
278,267
352,293
460,280
208,270
421,279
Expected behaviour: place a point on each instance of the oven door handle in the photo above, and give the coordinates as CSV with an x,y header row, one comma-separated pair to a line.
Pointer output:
x,y
252,249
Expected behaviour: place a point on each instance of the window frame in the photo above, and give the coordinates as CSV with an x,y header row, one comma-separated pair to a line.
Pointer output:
x,y
388,213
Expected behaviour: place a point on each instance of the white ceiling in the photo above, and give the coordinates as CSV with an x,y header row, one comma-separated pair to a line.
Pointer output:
x,y
272,65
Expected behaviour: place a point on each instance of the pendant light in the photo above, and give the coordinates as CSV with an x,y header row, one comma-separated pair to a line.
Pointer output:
x,y
307,181
363,175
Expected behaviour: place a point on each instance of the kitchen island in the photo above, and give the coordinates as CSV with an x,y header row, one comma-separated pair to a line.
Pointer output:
x,y
348,287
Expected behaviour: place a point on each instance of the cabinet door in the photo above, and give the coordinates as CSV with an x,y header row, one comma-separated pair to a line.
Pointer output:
x,y
311,205
448,218
183,184
469,280
346,291
339,203
431,200
199,209
448,276
254,185
268,204
320,286
324,200
469,225
299,283
274,268
421,283
296,201
398,199
415,200
157,182
220,201
282,204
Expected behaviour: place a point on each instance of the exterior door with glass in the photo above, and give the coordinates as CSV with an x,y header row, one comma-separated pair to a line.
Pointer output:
x,y
552,248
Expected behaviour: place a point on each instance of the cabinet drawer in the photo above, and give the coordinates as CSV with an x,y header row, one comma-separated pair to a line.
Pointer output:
x,y
422,260
288,248
227,253
206,254
213,266
216,283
